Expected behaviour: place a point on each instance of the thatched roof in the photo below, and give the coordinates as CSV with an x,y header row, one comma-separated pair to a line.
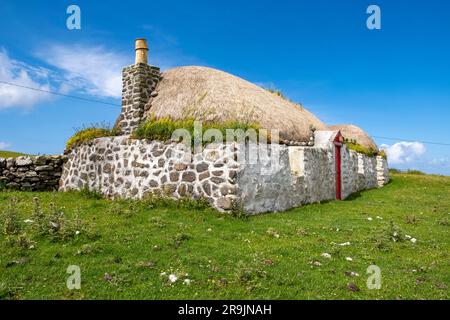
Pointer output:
x,y
353,132
211,95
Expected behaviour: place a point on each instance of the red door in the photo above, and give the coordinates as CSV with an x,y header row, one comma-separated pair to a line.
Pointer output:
x,y
337,147
338,172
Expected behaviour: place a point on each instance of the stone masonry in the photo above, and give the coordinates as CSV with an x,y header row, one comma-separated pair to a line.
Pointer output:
x,y
228,175
138,87
40,173
121,167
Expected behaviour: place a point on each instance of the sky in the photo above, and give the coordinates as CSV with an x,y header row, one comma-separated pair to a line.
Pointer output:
x,y
393,82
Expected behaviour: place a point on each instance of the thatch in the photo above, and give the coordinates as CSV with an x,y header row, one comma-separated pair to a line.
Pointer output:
x,y
211,95
353,132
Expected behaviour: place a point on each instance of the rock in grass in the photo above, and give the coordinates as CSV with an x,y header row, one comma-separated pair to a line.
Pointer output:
x,y
352,287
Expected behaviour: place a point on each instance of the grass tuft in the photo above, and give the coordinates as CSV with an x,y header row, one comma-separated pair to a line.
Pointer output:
x,y
89,133
353,145
162,128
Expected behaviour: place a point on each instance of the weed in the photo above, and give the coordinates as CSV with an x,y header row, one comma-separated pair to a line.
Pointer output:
x,y
11,225
89,133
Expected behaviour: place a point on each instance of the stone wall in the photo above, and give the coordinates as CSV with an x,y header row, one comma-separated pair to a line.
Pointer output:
x,y
306,175
257,178
40,173
382,170
138,87
123,167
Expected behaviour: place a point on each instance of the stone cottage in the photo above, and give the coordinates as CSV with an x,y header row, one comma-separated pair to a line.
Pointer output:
x,y
309,162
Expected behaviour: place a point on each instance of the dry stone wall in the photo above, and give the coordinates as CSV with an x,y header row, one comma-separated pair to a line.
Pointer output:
x,y
40,173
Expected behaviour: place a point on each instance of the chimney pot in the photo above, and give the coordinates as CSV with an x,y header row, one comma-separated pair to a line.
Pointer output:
x,y
141,51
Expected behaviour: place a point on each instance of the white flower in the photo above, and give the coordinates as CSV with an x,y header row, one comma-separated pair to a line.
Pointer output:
x,y
28,221
348,259
326,255
209,230
354,274
378,217
187,281
369,218
173,278
317,263
413,240
77,232
345,244
162,274
407,237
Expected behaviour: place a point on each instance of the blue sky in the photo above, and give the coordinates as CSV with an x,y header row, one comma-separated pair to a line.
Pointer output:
x,y
393,82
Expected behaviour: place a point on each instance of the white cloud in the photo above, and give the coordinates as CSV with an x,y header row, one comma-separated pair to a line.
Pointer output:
x,y
403,152
92,70
17,72
4,145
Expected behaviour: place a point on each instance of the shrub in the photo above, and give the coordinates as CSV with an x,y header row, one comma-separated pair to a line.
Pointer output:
x,y
162,128
90,133
410,171
418,172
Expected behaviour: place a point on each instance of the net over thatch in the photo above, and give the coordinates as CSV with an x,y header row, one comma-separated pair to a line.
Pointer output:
x,y
353,132
211,95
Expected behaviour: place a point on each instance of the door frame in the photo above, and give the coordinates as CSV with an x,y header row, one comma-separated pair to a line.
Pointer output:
x,y
338,142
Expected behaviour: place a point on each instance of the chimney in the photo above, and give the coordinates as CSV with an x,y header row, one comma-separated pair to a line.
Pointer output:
x,y
138,85
141,51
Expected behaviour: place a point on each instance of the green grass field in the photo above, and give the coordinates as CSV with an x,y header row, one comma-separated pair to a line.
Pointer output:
x,y
11,154
127,249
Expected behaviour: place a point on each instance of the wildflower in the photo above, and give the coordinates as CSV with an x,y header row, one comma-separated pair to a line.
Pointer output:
x,y
413,240
348,258
369,218
345,244
326,255
173,278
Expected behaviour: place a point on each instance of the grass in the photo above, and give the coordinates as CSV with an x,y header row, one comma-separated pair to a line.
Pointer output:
x,y
125,246
90,133
353,145
162,129
11,154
